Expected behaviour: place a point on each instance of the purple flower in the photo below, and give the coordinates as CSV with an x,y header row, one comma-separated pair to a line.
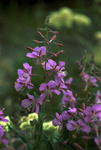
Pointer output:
x,y
18,86
4,140
69,81
98,141
31,101
24,77
60,83
92,113
68,114
72,110
65,115
2,118
37,52
88,114
68,97
83,126
61,66
27,68
28,101
52,65
50,87
91,80
71,125
1,131
36,108
85,76
26,71
43,87
41,98
97,110
57,68
58,120
98,97
79,125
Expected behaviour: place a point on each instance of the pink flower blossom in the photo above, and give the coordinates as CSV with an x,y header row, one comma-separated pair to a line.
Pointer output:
x,y
37,52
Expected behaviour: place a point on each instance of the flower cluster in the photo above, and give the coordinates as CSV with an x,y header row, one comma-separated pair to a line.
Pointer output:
x,y
74,117
79,118
86,119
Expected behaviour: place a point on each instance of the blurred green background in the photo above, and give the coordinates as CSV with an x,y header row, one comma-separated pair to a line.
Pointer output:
x,y
79,24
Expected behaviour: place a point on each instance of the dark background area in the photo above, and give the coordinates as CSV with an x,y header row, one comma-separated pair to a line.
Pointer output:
x,y
54,3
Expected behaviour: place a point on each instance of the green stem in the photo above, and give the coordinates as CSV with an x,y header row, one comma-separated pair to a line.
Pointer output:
x,y
49,142
23,139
